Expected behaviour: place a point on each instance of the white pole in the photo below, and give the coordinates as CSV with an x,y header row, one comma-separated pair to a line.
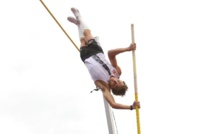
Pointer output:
x,y
108,109
109,116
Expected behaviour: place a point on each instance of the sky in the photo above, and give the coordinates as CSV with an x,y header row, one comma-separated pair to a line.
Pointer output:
x,y
45,87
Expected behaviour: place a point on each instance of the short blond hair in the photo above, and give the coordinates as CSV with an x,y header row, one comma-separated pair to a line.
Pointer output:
x,y
121,90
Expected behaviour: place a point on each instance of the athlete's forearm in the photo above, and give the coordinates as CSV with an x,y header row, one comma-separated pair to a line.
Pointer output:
x,y
114,52
120,106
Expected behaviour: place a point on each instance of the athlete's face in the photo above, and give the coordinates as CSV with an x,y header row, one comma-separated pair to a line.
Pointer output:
x,y
115,83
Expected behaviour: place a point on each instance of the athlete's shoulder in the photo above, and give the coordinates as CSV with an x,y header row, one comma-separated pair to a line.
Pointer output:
x,y
102,85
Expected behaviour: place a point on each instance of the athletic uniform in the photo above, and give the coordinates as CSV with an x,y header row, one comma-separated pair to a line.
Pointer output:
x,y
93,57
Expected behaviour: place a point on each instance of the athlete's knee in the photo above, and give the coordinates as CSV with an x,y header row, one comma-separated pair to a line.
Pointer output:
x,y
87,32
88,35
83,42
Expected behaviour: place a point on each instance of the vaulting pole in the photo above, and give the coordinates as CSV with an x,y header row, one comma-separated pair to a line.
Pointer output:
x,y
135,81
59,25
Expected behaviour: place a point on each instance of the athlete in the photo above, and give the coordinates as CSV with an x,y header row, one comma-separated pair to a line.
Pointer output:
x,y
104,73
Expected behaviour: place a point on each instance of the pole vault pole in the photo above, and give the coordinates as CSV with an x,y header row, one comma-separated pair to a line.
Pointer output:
x,y
135,81
59,25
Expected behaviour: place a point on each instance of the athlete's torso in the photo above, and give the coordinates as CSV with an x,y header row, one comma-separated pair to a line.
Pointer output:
x,y
97,71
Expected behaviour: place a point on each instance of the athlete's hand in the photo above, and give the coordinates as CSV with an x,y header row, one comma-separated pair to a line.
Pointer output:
x,y
132,47
136,103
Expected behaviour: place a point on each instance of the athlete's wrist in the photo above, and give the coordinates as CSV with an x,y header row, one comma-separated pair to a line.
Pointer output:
x,y
131,107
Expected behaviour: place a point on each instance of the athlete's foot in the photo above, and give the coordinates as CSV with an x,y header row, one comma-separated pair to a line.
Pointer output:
x,y
76,12
73,20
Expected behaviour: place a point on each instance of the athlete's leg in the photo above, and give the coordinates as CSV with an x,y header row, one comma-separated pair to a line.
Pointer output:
x,y
86,30
80,31
83,42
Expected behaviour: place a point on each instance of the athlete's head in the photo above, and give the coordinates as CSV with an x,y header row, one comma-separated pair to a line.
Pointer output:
x,y
118,86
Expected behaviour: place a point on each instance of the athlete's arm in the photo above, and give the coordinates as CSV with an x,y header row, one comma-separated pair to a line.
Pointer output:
x,y
112,55
109,98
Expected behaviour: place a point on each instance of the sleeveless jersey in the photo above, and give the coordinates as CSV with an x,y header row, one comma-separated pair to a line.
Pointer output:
x,y
97,71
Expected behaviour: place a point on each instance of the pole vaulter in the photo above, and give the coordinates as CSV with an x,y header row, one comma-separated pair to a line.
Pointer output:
x,y
105,91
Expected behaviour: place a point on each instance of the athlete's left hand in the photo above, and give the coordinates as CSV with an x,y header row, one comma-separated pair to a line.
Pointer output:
x,y
136,103
132,47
